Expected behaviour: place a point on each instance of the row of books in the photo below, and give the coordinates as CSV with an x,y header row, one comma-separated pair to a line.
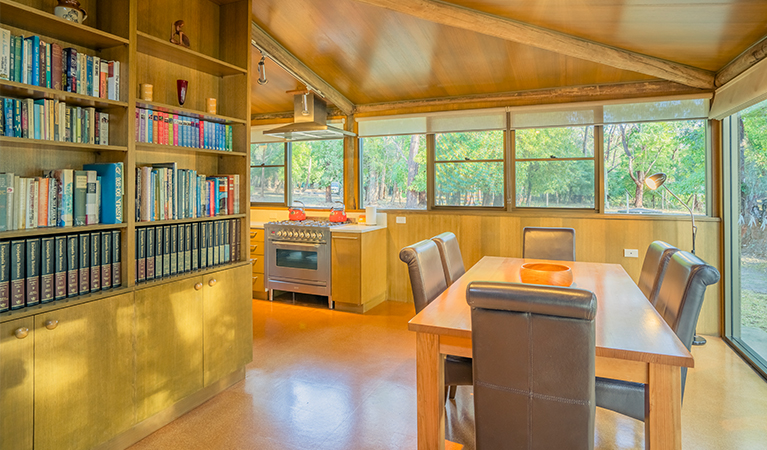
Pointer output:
x,y
53,120
157,127
30,60
41,270
62,198
162,251
164,192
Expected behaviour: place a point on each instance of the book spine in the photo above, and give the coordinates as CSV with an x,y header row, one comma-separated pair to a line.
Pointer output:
x,y
73,265
80,192
85,263
203,245
166,250
158,252
3,202
60,282
56,66
95,261
150,246
140,254
47,269
181,246
173,249
188,247
211,243
5,276
5,54
195,246
18,254
116,254
106,259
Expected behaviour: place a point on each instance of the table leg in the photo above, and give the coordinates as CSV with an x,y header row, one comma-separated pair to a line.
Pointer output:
x,y
663,424
430,381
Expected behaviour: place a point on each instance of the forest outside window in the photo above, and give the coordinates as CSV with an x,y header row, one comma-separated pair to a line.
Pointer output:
x,y
394,171
469,168
554,167
317,172
267,173
634,151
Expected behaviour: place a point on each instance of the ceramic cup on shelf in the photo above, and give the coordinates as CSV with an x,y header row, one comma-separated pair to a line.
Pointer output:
x,y
147,92
211,105
70,10
181,87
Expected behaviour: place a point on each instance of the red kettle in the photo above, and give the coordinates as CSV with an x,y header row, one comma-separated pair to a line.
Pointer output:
x,y
297,213
338,215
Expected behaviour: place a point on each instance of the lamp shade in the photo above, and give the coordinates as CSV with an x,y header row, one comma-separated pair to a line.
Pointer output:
x,y
655,181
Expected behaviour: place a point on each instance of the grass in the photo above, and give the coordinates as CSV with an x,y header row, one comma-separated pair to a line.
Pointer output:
x,y
753,301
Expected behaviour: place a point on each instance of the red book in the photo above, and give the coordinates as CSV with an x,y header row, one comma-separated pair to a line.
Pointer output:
x,y
43,60
156,128
42,204
56,66
211,198
230,197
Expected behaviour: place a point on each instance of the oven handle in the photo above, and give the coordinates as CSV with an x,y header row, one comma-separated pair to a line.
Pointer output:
x,y
296,244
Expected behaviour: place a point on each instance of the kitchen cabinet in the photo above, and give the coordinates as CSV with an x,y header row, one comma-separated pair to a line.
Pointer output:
x,y
83,374
17,383
168,344
358,272
257,259
227,323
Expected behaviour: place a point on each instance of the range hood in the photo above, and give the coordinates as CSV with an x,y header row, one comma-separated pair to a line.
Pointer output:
x,y
311,121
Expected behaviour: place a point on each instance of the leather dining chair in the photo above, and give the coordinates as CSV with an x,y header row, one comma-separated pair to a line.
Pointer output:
x,y
427,281
530,391
654,268
679,301
548,243
450,253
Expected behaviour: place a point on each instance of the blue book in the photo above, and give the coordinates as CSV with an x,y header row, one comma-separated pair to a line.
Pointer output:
x,y
34,64
8,116
39,105
89,74
17,117
18,58
69,66
111,191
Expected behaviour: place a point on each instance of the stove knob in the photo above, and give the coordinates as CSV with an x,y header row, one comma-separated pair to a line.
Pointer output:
x,y
317,235
301,235
279,233
293,234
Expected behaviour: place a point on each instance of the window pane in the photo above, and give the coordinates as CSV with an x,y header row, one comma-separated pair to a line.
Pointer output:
x,y
271,154
555,184
567,142
267,185
476,145
317,172
634,151
468,184
394,171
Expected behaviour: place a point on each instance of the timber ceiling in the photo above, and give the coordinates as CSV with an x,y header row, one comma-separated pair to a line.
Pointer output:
x,y
374,55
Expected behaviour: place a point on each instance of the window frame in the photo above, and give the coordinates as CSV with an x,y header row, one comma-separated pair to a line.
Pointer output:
x,y
286,175
289,173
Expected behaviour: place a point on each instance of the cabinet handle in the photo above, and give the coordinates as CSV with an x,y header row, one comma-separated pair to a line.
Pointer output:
x,y
21,333
345,237
197,286
253,248
255,260
253,235
255,278
212,282
51,324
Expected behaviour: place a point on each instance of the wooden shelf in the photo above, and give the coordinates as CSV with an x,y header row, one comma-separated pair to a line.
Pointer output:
x,y
162,49
63,303
48,24
191,274
180,221
51,231
16,89
217,118
27,143
144,147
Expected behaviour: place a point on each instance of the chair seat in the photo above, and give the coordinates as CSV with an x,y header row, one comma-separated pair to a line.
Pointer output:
x,y
622,397
458,371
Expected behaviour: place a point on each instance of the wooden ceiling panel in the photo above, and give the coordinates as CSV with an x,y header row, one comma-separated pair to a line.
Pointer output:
x,y
271,97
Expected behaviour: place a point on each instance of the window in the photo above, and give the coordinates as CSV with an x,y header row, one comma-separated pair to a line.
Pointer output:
x,y
267,173
317,172
634,151
554,167
394,171
468,169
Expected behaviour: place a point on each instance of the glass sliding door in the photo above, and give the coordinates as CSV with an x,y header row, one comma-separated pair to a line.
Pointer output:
x,y
745,200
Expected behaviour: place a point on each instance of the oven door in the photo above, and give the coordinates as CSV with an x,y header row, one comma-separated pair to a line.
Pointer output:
x,y
302,263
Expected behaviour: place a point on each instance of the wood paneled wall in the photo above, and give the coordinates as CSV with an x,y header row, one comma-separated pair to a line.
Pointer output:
x,y
599,238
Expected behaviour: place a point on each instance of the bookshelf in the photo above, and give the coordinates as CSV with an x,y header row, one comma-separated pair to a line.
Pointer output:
x,y
217,64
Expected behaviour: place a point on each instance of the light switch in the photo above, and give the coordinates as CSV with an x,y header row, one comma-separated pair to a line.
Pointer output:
x,y
401,219
630,253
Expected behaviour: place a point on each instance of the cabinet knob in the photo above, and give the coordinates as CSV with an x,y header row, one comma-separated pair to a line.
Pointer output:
x,y
255,260
51,324
253,235
21,333
253,248
197,286
212,282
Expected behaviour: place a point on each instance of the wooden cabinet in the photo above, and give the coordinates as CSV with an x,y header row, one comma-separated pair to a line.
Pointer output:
x,y
358,270
227,324
257,258
17,341
168,344
84,373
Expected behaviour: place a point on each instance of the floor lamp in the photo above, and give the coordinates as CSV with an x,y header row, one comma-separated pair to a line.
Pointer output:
x,y
654,182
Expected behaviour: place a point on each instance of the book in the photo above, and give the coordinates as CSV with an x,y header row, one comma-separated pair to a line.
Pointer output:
x,y
60,279
5,276
79,197
181,246
211,243
64,196
116,254
33,271
5,181
5,54
150,247
166,250
95,261
56,66
18,253
203,245
73,265
47,269
158,252
227,244
85,263
195,246
140,254
173,249
111,190
106,259
187,247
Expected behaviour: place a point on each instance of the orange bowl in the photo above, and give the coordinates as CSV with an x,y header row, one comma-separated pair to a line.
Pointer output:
x,y
546,273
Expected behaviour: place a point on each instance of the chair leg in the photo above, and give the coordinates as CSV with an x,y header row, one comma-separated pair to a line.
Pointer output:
x,y
451,392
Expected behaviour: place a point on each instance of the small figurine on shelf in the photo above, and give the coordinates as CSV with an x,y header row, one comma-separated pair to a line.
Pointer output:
x,y
70,10
177,35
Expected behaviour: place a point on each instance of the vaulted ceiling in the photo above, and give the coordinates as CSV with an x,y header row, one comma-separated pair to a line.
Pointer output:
x,y
374,54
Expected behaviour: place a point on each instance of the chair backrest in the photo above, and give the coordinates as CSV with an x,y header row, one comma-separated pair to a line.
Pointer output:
x,y
654,268
548,243
427,279
533,352
452,262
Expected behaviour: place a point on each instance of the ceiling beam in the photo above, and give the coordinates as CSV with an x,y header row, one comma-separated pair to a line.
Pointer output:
x,y
332,112
565,44
533,97
743,62
294,66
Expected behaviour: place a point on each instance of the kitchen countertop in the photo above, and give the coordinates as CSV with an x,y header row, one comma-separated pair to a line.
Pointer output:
x,y
254,224
357,229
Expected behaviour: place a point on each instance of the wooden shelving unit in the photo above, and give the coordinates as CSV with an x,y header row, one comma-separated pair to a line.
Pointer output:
x,y
21,90
163,49
191,220
14,143
55,231
156,106
144,147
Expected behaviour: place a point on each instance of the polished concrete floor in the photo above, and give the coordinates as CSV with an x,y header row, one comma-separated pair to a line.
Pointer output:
x,y
324,379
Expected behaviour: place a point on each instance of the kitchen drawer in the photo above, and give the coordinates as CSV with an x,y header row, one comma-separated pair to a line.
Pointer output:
x,y
258,263
256,235
258,286
256,248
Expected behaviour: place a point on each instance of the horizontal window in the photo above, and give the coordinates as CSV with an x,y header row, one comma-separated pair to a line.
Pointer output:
x,y
317,172
394,171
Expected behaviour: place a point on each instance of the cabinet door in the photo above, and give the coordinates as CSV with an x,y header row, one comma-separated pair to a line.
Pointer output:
x,y
17,347
345,268
228,322
84,372
168,345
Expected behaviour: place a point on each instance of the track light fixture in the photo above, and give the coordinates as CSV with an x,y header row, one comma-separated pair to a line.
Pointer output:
x,y
262,71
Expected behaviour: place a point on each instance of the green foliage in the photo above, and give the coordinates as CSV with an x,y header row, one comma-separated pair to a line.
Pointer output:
x,y
475,181
385,166
314,166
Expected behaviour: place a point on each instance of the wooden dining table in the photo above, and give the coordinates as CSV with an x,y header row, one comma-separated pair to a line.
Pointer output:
x,y
633,343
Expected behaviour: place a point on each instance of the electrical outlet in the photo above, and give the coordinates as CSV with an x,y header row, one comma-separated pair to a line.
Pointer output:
x,y
630,253
401,219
